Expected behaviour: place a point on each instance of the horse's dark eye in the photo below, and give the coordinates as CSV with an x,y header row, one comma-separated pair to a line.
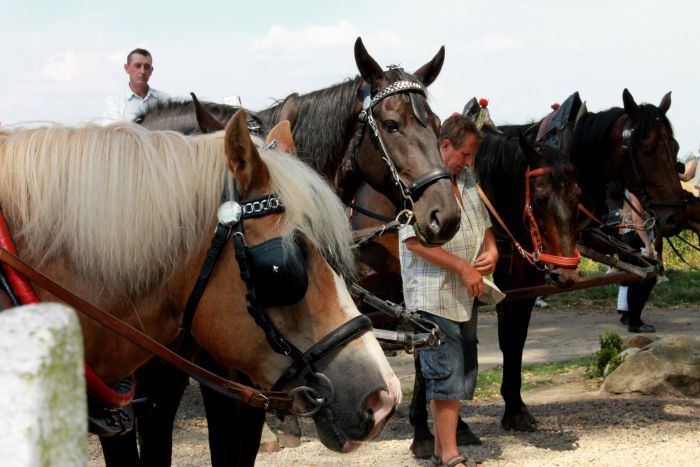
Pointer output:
x,y
392,126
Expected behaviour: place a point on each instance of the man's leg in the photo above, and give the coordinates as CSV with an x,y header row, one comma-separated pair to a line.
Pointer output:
x,y
445,414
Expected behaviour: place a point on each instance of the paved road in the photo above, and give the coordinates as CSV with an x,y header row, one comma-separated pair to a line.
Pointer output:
x,y
563,333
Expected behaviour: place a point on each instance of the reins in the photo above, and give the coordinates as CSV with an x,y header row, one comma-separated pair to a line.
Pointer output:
x,y
254,397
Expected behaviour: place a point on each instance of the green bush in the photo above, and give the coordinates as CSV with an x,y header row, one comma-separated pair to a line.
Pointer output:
x,y
610,348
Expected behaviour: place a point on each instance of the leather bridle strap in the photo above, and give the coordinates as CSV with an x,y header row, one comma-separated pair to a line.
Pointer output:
x,y
251,396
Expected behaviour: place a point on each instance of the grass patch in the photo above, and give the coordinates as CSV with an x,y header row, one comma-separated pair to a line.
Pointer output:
x,y
489,382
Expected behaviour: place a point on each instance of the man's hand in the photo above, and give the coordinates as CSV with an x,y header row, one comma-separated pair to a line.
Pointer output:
x,y
485,263
472,278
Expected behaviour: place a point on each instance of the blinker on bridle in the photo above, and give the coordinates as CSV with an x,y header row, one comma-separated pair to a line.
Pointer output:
x,y
275,275
412,192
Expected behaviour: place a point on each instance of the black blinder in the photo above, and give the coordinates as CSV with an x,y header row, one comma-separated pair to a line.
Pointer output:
x,y
418,108
278,271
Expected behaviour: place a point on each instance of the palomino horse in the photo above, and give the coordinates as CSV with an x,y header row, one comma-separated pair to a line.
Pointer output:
x,y
635,145
376,128
502,165
124,216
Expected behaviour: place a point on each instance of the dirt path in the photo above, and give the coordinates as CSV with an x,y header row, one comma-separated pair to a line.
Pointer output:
x,y
578,425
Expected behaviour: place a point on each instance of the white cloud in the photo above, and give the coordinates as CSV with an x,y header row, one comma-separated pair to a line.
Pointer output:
x,y
283,40
61,67
491,43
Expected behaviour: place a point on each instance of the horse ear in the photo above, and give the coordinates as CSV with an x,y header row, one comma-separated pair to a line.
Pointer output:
x,y
206,122
290,109
430,71
530,154
631,107
665,103
282,133
369,68
243,157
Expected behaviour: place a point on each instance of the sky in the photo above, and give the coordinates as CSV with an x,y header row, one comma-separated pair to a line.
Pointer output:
x,y
62,59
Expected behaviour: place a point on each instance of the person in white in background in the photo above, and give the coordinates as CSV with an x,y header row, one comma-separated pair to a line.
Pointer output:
x,y
135,98
691,163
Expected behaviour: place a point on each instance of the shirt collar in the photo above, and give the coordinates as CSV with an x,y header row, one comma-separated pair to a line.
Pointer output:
x,y
128,93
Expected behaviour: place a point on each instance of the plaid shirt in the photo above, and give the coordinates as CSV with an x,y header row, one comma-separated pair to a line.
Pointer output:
x,y
429,287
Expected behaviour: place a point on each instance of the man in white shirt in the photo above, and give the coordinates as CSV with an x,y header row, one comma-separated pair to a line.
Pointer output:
x,y
135,98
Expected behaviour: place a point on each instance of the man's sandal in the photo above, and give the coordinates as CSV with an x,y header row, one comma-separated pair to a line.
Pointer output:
x,y
456,460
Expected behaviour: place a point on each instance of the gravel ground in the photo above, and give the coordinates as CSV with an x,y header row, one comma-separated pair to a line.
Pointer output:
x,y
578,424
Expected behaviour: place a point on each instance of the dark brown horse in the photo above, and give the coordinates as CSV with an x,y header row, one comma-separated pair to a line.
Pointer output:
x,y
375,128
635,145
141,259
501,164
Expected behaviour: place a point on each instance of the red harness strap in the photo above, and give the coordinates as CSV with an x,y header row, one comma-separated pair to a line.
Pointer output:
x,y
25,293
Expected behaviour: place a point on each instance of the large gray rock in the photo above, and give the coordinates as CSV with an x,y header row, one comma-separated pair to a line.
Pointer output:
x,y
669,366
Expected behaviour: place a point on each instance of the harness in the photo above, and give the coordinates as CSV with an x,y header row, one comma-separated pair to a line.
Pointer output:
x,y
275,275
412,192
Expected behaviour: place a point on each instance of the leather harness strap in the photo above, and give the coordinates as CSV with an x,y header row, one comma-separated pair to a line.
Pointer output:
x,y
251,396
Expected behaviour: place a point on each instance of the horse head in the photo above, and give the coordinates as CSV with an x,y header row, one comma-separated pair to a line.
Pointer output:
x,y
398,154
552,198
647,162
305,331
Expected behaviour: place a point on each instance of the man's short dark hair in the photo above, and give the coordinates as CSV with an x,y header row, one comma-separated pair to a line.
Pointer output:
x,y
456,128
143,52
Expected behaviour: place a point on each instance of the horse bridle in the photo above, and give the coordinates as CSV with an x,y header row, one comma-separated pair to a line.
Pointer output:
x,y
537,256
647,202
230,226
412,192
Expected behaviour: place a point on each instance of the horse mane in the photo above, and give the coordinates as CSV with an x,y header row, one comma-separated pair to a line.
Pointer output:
x,y
179,115
124,205
323,123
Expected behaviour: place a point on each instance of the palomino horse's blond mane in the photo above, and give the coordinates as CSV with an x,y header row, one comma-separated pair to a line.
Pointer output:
x,y
124,204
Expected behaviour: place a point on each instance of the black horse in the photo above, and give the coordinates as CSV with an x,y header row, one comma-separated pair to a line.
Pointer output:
x,y
634,145
364,129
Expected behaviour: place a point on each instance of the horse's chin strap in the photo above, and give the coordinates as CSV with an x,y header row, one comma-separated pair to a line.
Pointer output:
x,y
408,193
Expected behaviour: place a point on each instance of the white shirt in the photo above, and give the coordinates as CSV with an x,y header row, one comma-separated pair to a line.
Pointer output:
x,y
126,105
431,288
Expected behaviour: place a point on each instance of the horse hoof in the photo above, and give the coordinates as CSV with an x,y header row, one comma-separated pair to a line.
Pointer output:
x,y
423,449
520,422
466,437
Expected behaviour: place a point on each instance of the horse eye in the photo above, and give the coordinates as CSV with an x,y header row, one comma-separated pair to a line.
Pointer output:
x,y
392,126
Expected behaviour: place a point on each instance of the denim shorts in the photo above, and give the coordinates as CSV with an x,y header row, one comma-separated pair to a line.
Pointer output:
x,y
450,370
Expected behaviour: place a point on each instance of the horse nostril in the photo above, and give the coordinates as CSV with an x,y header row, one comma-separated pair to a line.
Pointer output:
x,y
672,221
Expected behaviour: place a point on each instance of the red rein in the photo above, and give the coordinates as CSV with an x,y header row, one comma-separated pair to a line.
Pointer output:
x,y
537,256
25,293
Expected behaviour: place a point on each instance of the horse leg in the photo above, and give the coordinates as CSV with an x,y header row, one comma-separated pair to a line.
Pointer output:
x,y
120,451
423,444
164,384
513,321
235,428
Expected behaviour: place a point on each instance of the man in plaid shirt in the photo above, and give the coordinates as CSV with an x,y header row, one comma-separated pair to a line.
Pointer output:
x,y
443,282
